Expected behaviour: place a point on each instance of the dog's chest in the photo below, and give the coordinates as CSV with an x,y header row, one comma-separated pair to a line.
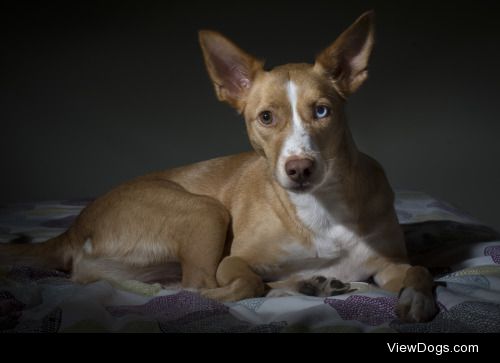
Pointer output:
x,y
325,219
335,249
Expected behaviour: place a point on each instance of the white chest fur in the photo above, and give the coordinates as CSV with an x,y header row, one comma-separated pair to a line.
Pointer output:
x,y
325,218
336,250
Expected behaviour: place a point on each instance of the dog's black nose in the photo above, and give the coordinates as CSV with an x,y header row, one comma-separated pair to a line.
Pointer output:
x,y
299,170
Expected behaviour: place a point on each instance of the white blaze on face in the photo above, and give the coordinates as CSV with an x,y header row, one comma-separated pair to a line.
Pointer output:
x,y
298,143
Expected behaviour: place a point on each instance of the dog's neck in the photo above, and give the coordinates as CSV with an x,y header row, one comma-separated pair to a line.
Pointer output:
x,y
331,202
343,167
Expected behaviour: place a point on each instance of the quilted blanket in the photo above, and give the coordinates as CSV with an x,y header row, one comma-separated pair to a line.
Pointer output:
x,y
463,255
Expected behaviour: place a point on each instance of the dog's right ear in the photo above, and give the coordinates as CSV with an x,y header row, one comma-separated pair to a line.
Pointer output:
x,y
231,69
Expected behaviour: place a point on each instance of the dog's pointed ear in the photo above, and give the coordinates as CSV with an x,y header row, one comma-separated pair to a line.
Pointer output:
x,y
231,69
346,60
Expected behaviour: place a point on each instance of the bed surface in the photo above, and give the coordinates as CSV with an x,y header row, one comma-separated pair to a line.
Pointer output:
x,y
463,255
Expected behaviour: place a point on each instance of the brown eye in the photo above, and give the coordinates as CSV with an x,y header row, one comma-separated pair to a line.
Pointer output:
x,y
266,118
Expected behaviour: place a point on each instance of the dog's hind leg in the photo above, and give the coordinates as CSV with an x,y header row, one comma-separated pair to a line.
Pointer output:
x,y
201,255
139,232
89,269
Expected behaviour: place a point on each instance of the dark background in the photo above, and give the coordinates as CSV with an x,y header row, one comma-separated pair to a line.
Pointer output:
x,y
92,94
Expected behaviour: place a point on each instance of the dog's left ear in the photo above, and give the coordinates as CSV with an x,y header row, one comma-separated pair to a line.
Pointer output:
x,y
346,60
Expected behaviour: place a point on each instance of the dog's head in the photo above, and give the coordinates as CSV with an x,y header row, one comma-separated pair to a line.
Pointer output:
x,y
294,113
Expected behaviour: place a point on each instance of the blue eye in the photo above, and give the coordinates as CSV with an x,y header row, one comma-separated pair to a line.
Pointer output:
x,y
321,111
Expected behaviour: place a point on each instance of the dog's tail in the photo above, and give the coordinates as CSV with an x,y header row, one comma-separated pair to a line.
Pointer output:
x,y
56,253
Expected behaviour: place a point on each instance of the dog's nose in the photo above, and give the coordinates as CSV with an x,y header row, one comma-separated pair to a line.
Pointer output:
x,y
299,170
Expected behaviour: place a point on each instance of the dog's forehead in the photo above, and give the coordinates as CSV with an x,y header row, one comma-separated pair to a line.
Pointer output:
x,y
302,75
272,86
291,71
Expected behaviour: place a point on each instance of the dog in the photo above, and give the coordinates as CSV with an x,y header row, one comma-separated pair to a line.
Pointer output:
x,y
304,212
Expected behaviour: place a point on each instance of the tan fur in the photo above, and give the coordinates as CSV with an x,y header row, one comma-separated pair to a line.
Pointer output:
x,y
230,222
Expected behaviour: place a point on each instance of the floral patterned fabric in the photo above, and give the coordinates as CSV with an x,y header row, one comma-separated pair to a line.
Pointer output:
x,y
463,254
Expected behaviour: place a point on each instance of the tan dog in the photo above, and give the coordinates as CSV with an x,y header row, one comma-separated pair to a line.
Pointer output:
x,y
301,212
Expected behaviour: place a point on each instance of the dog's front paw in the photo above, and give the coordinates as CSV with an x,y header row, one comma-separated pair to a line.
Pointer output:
x,y
321,286
416,306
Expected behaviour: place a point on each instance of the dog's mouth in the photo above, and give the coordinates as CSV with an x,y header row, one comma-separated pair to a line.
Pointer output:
x,y
302,187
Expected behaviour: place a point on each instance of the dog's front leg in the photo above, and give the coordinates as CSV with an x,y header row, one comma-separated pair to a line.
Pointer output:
x,y
415,285
314,286
236,280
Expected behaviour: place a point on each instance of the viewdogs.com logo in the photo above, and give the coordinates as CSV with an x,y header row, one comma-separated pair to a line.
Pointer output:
x,y
437,349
